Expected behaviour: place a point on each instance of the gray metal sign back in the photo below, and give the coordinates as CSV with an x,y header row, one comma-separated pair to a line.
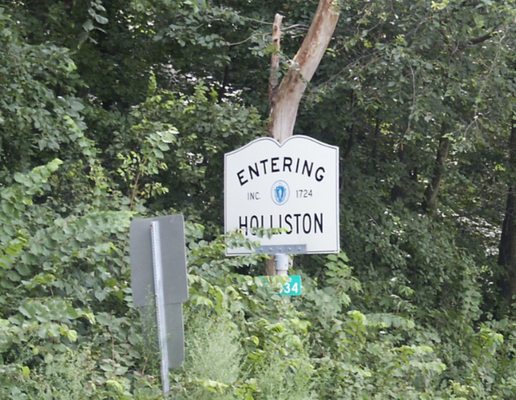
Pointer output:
x,y
159,281
171,229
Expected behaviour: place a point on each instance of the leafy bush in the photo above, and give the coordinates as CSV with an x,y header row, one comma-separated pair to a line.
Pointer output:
x,y
66,302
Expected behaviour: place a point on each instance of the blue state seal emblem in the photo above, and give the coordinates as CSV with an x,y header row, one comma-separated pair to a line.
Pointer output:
x,y
280,192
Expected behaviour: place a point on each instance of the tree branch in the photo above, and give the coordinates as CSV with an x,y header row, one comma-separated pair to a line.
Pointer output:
x,y
275,58
481,39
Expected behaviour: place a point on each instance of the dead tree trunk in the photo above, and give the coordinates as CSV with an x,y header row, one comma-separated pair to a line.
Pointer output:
x,y
285,96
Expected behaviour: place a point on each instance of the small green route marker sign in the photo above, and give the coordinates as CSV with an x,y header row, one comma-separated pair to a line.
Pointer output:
x,y
292,287
284,285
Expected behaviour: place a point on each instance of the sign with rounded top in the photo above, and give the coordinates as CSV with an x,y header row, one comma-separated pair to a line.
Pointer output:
x,y
291,189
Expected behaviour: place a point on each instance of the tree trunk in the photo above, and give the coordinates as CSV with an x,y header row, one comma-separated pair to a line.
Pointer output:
x,y
507,248
270,265
432,190
285,97
398,191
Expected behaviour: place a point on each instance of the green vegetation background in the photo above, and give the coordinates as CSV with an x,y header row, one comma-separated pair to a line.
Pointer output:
x,y
111,110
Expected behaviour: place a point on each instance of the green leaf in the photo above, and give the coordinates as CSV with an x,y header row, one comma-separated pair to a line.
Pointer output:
x,y
88,25
100,19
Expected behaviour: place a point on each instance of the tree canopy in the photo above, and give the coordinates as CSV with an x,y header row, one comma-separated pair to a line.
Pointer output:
x,y
110,110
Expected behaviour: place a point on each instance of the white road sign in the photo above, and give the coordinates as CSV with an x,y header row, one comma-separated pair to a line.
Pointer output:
x,y
292,186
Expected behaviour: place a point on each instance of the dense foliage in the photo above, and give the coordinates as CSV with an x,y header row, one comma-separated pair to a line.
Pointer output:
x,y
111,110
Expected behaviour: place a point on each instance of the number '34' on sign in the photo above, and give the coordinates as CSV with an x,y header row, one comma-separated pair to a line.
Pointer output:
x,y
284,285
292,287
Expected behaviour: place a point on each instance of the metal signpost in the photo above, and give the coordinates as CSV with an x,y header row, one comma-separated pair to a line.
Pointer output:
x,y
292,187
157,269
159,280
